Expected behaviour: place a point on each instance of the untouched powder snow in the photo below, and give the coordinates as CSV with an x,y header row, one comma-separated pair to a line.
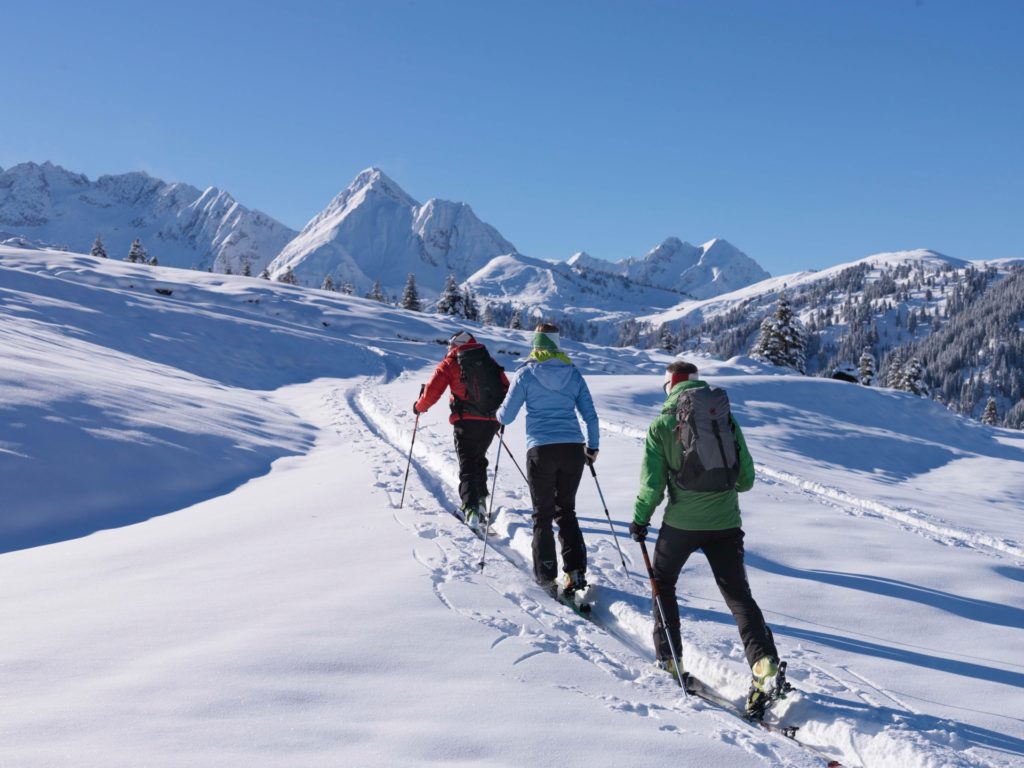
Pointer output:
x,y
204,560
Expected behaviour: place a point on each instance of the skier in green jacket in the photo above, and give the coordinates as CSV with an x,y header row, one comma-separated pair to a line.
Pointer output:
x,y
709,521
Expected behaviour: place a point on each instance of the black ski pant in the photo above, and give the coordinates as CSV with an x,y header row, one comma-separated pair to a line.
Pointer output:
x,y
472,439
724,551
554,472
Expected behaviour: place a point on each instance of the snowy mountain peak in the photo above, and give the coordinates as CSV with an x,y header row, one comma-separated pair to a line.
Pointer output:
x,y
177,223
702,271
373,230
583,260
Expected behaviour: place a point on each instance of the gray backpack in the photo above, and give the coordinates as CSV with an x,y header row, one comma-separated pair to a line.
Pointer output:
x,y
711,457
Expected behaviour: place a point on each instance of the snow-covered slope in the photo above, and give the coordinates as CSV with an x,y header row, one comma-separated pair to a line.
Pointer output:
x,y
768,289
265,601
373,231
178,224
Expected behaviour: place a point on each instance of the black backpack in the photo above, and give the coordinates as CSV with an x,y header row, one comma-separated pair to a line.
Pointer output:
x,y
481,377
711,457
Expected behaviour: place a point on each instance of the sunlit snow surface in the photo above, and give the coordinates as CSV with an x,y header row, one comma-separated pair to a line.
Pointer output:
x,y
204,563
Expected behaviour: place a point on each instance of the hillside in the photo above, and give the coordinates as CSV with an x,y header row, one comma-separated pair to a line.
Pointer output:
x,y
962,321
250,593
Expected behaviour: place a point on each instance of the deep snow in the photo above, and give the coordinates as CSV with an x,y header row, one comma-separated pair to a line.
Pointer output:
x,y
204,563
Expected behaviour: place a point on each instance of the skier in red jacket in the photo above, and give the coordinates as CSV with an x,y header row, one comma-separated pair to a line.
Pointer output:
x,y
478,385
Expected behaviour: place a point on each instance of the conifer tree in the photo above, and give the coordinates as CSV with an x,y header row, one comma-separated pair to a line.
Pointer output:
x,y
328,284
347,288
516,321
137,254
376,293
488,315
894,375
288,278
153,262
990,416
265,274
866,367
666,339
911,378
246,268
97,248
782,340
450,302
470,308
411,296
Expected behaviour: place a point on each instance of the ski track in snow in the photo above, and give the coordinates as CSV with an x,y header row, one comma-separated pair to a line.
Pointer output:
x,y
451,558
909,519
827,706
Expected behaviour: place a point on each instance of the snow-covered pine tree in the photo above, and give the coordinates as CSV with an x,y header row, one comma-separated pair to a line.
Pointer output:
x,y
376,293
866,367
347,288
97,248
666,339
990,416
894,373
265,274
911,378
782,340
328,283
516,321
411,296
288,278
450,302
227,269
153,262
488,315
246,268
137,254
470,308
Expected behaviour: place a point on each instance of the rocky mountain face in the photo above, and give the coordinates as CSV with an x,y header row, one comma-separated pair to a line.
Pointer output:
x,y
178,224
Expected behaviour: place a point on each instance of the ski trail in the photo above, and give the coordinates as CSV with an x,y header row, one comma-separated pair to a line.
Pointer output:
x,y
915,520
549,628
908,518
829,721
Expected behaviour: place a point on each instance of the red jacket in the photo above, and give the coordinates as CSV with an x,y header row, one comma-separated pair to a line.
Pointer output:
x,y
448,375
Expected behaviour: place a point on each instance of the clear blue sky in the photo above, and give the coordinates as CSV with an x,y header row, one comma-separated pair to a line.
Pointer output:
x,y
805,133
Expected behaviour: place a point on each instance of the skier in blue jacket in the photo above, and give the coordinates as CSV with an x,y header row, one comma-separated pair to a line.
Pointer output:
x,y
553,390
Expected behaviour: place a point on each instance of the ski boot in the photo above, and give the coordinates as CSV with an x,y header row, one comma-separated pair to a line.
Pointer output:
x,y
763,687
674,667
576,592
575,581
474,516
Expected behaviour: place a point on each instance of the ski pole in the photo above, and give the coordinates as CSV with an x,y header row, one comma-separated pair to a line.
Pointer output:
x,y
511,456
661,612
409,462
614,535
490,507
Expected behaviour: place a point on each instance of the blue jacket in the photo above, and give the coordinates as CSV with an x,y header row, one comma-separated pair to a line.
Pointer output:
x,y
553,391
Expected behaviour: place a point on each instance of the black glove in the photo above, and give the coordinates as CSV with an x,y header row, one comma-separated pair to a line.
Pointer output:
x,y
414,409
590,454
638,532
501,429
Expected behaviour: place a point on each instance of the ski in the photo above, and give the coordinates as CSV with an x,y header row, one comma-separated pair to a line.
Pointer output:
x,y
580,605
695,687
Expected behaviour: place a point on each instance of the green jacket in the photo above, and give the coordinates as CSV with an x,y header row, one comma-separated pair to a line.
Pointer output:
x,y
689,510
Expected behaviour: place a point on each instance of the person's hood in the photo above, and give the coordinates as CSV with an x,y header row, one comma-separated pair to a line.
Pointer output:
x,y
553,374
673,396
